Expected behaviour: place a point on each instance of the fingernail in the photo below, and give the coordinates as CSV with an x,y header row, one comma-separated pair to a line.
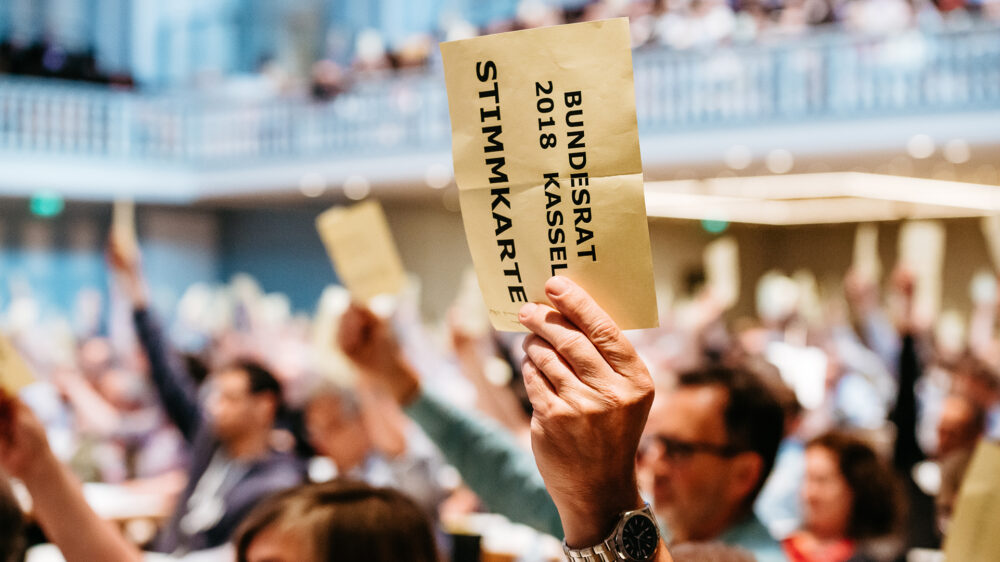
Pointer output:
x,y
527,310
557,286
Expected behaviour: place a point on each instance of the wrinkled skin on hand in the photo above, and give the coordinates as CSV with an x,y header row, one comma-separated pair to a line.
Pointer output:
x,y
591,395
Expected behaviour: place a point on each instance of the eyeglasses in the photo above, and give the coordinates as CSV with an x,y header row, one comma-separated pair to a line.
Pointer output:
x,y
675,450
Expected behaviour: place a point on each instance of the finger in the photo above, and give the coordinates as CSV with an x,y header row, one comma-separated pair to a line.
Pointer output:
x,y
545,358
566,339
539,389
580,308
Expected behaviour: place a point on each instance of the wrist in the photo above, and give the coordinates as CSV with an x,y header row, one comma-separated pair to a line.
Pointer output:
x,y
587,523
134,287
38,474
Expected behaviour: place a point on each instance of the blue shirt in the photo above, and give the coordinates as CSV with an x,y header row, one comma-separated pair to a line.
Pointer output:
x,y
778,506
752,535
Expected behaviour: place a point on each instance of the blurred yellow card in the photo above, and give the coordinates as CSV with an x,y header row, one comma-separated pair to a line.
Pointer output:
x,y
362,249
123,227
546,153
972,532
866,260
991,231
921,249
722,270
14,372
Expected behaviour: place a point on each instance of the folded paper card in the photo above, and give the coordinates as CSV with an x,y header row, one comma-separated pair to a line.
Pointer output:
x,y
722,270
866,262
921,249
991,231
547,163
362,249
123,227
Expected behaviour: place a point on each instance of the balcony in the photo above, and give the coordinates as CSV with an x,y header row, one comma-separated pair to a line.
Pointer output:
x,y
824,97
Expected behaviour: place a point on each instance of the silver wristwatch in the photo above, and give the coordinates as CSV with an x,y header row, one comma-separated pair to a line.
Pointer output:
x,y
635,539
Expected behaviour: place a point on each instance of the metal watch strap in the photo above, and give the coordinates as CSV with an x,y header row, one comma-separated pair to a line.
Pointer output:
x,y
604,552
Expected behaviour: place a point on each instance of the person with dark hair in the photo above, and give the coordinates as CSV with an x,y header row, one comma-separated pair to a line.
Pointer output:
x,y
342,521
232,463
850,499
710,443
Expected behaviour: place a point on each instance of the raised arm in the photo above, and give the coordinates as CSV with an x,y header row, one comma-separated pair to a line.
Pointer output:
x,y
59,505
591,395
174,385
877,330
490,461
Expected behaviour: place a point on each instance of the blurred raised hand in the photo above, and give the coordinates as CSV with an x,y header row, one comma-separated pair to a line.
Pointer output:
x,y
367,340
126,265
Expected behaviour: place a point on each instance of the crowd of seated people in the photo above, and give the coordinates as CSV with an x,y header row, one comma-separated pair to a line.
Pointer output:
x,y
50,60
672,24
283,433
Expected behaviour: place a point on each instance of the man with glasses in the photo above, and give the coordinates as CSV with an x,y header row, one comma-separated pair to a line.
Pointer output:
x,y
709,445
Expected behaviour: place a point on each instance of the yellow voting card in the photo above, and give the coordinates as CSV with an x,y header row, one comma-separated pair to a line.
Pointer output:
x,y
546,152
360,244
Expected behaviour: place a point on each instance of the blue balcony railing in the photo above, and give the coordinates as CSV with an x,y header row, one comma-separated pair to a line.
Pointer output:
x,y
822,77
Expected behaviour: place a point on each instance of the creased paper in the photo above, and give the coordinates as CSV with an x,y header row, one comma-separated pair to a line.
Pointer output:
x,y
546,153
364,254
972,533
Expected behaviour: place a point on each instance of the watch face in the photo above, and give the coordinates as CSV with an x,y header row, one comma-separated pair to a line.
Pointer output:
x,y
639,538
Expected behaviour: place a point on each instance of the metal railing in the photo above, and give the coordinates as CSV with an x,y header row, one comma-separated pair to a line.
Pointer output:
x,y
822,77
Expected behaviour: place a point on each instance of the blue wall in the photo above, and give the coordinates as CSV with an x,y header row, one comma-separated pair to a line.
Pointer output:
x,y
53,258
56,258
281,250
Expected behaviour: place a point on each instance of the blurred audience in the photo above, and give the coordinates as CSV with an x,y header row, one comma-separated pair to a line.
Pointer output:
x,y
51,60
799,434
369,439
672,24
